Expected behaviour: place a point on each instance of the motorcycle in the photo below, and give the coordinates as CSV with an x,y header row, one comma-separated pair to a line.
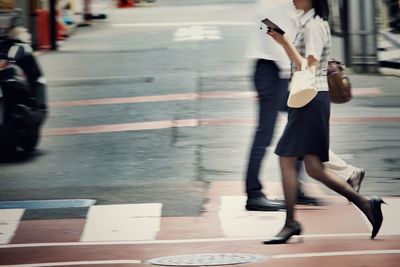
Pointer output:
x,y
20,120
23,103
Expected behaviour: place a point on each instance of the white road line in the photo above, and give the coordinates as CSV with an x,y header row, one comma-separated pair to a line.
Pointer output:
x,y
122,222
9,220
73,263
183,24
183,241
339,253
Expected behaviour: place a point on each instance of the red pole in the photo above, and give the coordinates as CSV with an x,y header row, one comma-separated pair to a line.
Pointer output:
x,y
87,10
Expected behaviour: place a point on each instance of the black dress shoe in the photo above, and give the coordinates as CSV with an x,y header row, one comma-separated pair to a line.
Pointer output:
x,y
263,204
303,199
376,205
294,230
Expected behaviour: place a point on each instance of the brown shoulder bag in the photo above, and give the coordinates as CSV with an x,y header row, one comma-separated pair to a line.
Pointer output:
x,y
339,83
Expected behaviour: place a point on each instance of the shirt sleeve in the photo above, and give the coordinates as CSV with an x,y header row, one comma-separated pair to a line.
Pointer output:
x,y
315,38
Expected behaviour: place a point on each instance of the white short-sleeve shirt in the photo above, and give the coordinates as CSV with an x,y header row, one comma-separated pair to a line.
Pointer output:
x,y
313,39
315,35
262,46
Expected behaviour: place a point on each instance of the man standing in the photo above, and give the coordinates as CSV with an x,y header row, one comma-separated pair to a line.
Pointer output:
x,y
271,80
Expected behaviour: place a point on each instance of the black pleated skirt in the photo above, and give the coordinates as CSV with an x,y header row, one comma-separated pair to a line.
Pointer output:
x,y
307,130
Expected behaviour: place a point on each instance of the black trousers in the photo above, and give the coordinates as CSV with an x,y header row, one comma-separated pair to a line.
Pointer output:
x,y
272,92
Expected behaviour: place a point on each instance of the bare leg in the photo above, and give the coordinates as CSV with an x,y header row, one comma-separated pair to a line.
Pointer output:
x,y
316,170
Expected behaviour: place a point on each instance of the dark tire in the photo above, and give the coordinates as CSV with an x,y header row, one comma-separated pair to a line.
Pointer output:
x,y
29,141
7,142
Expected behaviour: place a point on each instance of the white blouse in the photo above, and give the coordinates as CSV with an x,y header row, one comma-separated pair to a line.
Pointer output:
x,y
262,46
315,34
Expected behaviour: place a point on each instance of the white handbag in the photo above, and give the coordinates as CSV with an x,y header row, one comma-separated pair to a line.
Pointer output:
x,y
302,86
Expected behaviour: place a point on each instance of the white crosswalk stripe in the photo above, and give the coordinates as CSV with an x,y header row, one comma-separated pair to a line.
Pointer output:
x,y
390,224
237,222
122,222
141,222
9,221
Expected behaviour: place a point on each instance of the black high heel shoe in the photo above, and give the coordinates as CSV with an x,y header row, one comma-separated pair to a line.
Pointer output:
x,y
376,206
295,230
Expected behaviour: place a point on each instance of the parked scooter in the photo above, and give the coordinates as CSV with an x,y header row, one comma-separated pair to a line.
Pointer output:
x,y
21,119
23,104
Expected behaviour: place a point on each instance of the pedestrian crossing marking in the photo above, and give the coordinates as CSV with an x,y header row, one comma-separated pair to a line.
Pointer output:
x,y
197,33
390,224
122,222
141,222
237,222
9,221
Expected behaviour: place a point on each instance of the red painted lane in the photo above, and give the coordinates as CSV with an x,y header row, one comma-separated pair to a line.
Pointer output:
x,y
154,125
148,251
138,126
153,98
47,231
184,97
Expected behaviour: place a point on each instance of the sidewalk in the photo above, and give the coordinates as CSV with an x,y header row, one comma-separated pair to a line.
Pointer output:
x,y
389,50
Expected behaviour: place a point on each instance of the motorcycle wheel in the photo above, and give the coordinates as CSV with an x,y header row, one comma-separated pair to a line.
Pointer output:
x,y
30,140
7,142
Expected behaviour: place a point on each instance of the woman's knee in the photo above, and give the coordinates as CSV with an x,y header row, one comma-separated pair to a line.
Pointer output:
x,y
313,172
314,167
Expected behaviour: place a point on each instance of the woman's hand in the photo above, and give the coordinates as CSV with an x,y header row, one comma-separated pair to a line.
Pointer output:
x,y
279,38
290,49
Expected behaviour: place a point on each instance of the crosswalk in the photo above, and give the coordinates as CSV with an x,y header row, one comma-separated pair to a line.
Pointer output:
x,y
141,222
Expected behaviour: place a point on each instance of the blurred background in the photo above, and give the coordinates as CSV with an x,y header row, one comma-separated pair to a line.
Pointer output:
x,y
359,23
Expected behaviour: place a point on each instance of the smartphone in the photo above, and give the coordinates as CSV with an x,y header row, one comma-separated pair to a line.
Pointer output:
x,y
273,26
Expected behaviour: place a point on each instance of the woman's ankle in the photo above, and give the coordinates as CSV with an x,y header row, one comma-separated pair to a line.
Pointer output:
x,y
290,223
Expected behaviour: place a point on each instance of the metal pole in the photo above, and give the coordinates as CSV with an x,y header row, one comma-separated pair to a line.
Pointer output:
x,y
32,24
53,24
363,35
345,30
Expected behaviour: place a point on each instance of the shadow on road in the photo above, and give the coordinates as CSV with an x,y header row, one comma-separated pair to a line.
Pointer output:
x,y
21,156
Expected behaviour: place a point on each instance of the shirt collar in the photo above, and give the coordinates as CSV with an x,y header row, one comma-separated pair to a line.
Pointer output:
x,y
307,16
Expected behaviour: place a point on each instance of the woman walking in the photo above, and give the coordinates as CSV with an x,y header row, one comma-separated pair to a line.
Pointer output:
x,y
306,135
